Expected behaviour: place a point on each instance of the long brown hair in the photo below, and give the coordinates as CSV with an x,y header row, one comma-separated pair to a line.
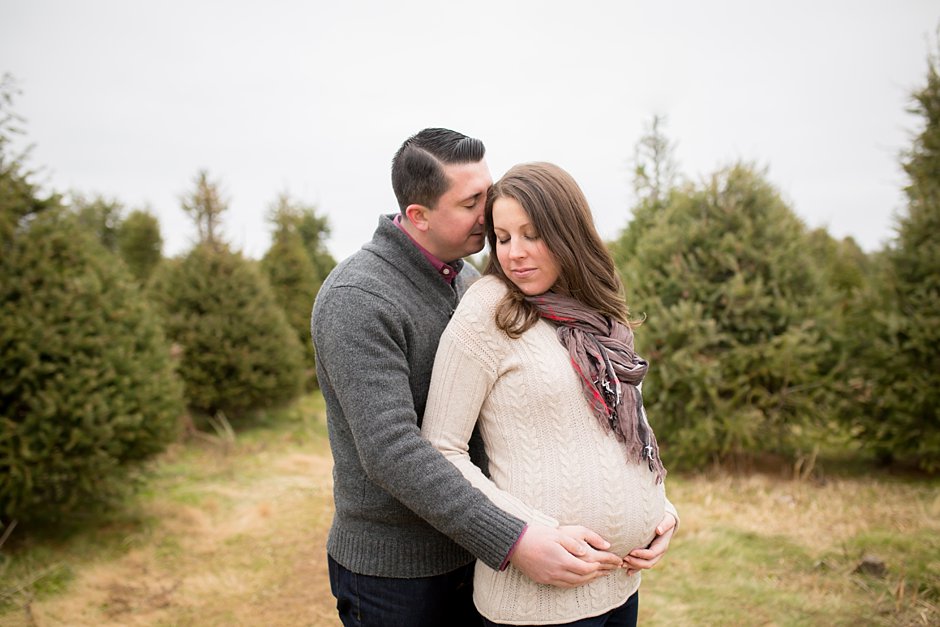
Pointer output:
x,y
562,218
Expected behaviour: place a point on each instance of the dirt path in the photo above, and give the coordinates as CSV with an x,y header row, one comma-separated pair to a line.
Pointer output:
x,y
244,550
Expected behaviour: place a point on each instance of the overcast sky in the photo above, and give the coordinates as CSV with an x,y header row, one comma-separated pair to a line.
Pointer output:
x,y
130,99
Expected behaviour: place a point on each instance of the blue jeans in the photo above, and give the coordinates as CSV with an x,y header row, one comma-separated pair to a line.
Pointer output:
x,y
367,601
623,616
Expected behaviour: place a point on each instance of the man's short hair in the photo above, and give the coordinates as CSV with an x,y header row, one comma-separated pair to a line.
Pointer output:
x,y
418,167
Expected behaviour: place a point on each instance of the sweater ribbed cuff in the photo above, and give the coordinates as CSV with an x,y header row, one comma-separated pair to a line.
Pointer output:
x,y
496,533
513,548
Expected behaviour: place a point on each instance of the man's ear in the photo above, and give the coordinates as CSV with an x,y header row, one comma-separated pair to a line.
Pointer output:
x,y
418,216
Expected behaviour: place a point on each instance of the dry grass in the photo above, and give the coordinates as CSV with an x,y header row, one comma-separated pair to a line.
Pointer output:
x,y
832,511
233,532
758,550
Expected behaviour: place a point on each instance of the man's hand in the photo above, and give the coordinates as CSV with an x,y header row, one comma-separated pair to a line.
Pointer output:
x,y
566,557
643,558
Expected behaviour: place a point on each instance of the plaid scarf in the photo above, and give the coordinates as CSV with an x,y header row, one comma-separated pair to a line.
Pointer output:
x,y
601,351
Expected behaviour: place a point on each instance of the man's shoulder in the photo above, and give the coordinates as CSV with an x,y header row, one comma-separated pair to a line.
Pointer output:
x,y
361,277
370,265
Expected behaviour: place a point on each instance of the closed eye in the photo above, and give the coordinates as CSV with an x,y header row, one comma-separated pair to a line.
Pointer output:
x,y
472,202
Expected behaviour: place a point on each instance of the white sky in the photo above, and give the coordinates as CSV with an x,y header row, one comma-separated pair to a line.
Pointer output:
x,y
130,98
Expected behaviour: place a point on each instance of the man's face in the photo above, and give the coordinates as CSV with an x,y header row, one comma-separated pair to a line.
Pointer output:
x,y
455,223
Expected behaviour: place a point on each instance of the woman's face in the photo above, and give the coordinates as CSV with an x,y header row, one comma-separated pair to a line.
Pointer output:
x,y
520,250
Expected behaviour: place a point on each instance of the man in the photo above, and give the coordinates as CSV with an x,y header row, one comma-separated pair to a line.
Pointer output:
x,y
407,524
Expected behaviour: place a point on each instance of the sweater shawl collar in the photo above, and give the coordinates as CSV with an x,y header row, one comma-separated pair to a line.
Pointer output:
x,y
393,246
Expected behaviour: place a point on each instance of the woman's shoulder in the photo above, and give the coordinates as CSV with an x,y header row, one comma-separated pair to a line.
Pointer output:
x,y
485,292
472,329
477,308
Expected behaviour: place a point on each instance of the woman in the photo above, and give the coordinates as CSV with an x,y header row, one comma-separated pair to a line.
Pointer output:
x,y
539,356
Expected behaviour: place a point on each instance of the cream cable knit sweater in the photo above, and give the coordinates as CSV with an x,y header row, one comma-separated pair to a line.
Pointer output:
x,y
551,462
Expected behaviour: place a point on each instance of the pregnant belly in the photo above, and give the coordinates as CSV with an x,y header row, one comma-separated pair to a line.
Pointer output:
x,y
630,527
624,507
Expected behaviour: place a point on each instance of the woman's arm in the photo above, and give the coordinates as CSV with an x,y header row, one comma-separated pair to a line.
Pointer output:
x,y
460,383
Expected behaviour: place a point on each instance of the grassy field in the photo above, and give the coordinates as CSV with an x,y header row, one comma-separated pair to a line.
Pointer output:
x,y
231,531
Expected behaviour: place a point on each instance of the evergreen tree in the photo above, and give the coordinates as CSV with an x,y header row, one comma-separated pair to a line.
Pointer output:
x,y
135,239
730,301
100,216
19,197
846,266
898,325
292,275
846,271
239,353
87,390
140,244
86,385
655,176
314,230
205,205
655,171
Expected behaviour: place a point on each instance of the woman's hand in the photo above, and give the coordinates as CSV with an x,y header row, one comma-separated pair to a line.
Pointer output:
x,y
595,547
643,558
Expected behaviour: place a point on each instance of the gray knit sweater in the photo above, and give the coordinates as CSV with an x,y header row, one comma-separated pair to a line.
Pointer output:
x,y
376,325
